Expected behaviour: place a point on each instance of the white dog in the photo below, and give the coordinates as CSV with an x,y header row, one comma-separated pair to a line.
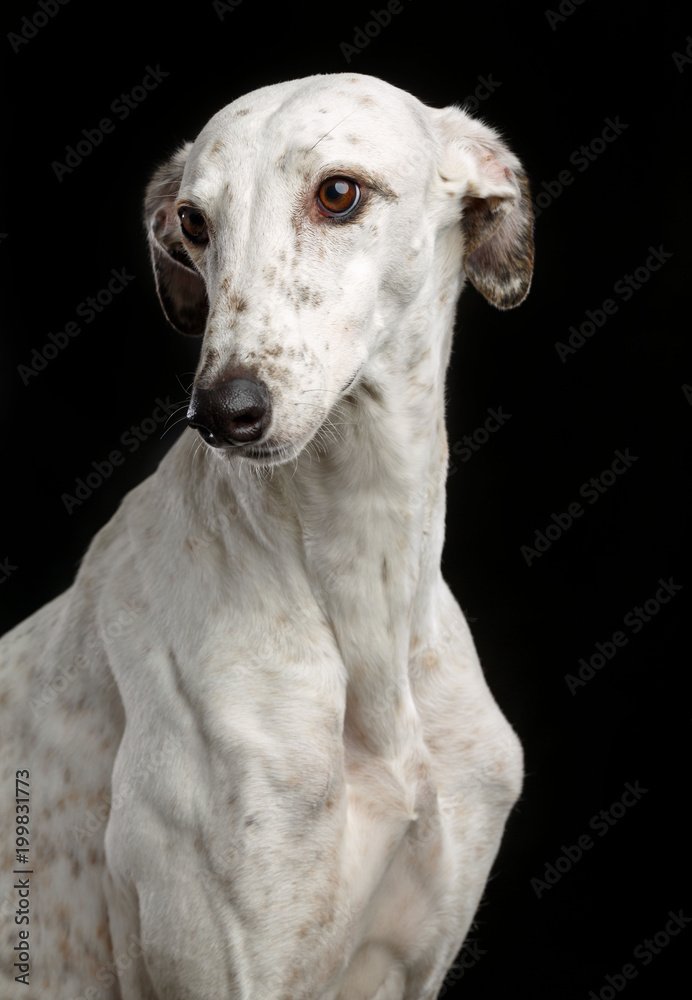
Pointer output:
x,y
253,742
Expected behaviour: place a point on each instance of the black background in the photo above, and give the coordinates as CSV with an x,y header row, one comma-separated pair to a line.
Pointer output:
x,y
554,86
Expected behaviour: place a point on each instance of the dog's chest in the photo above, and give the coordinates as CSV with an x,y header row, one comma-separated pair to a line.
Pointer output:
x,y
366,833
290,787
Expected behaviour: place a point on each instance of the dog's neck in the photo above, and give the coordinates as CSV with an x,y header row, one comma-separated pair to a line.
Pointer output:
x,y
360,513
373,529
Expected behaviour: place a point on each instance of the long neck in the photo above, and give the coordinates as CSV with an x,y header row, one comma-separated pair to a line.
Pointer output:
x,y
371,514
361,513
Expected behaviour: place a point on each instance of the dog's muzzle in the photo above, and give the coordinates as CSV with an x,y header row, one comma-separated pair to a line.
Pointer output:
x,y
232,413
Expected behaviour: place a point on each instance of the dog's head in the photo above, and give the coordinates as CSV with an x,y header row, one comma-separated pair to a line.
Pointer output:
x,y
316,227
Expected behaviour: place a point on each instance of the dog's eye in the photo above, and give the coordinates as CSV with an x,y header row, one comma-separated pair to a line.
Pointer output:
x,y
194,225
338,197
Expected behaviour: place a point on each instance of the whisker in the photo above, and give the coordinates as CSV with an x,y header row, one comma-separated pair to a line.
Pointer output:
x,y
180,420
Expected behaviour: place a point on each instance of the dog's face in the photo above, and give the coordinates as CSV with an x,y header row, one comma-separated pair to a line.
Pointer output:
x,y
299,233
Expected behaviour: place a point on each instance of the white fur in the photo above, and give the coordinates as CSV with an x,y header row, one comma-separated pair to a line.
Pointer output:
x,y
259,665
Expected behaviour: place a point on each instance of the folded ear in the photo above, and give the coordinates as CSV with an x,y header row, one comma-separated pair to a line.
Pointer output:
x,y
179,285
497,218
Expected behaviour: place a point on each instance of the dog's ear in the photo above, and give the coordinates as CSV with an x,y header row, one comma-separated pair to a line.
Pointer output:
x,y
179,285
497,218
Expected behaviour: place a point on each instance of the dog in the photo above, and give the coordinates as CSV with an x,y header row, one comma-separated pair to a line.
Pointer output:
x,y
253,748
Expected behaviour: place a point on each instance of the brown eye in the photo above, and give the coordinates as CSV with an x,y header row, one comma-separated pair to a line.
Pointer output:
x,y
337,197
194,225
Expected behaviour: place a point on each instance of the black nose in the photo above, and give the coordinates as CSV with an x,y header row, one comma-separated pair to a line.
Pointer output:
x,y
232,413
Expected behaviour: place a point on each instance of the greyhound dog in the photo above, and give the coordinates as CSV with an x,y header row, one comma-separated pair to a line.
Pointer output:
x,y
253,750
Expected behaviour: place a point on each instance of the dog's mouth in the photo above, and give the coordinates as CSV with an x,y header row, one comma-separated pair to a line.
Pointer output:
x,y
262,455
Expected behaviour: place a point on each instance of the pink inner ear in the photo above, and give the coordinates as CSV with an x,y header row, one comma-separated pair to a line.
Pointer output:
x,y
159,224
493,171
